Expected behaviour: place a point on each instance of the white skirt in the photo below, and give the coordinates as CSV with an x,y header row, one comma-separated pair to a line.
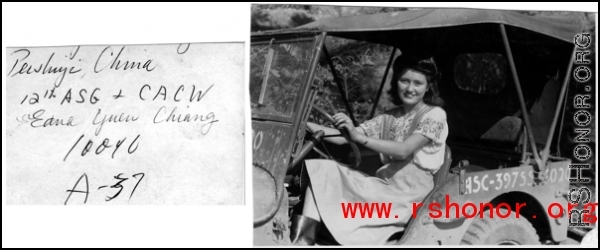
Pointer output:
x,y
401,183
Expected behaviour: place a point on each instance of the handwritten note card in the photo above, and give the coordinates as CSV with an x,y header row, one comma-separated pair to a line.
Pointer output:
x,y
133,124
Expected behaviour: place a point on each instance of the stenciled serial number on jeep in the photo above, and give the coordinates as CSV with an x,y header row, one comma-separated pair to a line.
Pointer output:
x,y
475,183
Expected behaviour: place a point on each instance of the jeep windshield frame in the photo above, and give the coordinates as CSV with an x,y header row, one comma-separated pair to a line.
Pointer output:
x,y
289,120
282,79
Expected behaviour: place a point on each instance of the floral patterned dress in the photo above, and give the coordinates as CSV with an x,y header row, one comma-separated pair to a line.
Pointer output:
x,y
398,184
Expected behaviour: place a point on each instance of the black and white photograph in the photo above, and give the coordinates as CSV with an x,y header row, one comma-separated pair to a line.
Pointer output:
x,y
247,124
422,126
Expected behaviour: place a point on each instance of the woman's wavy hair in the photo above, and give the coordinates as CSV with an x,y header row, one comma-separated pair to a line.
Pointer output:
x,y
423,64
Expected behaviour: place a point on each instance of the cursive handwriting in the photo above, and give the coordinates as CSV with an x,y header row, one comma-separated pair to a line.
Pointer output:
x,y
23,67
36,120
51,94
181,50
104,145
76,190
120,187
93,98
117,187
115,62
111,118
209,118
163,91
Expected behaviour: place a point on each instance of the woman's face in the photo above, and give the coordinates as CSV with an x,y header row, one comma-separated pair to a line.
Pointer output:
x,y
412,86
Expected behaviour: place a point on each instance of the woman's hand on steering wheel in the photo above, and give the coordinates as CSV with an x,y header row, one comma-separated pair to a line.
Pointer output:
x,y
345,133
342,121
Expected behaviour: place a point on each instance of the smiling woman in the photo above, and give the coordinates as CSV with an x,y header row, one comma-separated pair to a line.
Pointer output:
x,y
411,142
421,73
412,86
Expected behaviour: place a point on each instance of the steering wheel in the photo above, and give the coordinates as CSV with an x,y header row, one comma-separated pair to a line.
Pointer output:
x,y
345,134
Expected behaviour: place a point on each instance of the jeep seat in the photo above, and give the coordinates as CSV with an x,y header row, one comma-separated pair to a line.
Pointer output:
x,y
442,173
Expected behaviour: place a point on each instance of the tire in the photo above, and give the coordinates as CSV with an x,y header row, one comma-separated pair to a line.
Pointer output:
x,y
500,231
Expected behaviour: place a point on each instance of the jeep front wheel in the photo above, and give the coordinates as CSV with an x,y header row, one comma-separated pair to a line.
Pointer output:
x,y
500,231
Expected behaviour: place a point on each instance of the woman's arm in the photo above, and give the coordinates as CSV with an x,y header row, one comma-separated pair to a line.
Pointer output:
x,y
395,149
337,138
